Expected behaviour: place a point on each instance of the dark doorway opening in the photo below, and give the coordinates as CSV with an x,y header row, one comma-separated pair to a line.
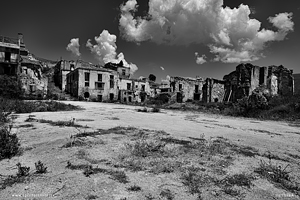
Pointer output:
x,y
197,97
86,95
179,97
111,96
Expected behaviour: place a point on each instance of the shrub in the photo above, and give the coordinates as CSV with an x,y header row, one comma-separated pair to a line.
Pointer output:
x,y
193,179
142,110
134,188
144,148
160,99
155,110
9,143
40,168
10,87
22,171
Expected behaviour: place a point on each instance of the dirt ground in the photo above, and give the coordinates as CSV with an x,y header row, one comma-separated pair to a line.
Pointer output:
x,y
109,152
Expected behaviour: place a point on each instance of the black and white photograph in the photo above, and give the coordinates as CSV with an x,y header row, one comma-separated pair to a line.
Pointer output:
x,y
150,100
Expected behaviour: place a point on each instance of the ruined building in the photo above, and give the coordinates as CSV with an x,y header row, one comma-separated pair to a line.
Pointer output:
x,y
88,81
278,80
186,88
15,60
182,89
111,82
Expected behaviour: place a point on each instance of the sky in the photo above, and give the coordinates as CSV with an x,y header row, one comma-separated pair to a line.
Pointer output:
x,y
189,38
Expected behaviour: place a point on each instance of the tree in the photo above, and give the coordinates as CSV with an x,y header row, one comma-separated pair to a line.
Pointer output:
x,y
152,77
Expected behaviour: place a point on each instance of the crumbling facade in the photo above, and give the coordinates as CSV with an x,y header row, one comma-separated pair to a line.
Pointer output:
x,y
109,83
186,88
91,82
248,77
33,81
15,60
213,90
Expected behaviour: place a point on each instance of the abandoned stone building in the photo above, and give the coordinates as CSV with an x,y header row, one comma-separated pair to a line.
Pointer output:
x,y
184,88
111,82
33,81
15,60
278,80
91,82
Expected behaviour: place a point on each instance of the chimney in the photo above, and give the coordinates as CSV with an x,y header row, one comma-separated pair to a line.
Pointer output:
x,y
21,38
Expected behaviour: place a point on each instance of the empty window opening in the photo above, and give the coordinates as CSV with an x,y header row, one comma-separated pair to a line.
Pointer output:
x,y
111,81
100,77
86,79
128,86
196,88
180,87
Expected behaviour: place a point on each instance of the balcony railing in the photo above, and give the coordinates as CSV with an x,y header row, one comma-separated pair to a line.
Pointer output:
x,y
9,40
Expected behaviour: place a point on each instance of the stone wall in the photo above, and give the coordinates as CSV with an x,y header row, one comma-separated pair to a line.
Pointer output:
x,y
186,88
247,77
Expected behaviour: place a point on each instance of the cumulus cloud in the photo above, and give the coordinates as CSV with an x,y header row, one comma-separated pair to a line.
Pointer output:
x,y
162,68
105,50
200,59
73,46
229,32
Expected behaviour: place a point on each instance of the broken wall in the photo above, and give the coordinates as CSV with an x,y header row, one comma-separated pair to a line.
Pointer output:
x,y
213,90
184,89
247,77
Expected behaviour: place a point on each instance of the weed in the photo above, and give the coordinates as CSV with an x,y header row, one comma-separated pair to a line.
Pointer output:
x,y
85,120
144,148
119,176
194,179
40,168
10,180
231,191
175,141
238,179
149,196
155,110
166,193
75,143
278,174
22,171
26,125
142,110
9,143
246,151
134,188
89,197
88,170
31,118
76,167
70,123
